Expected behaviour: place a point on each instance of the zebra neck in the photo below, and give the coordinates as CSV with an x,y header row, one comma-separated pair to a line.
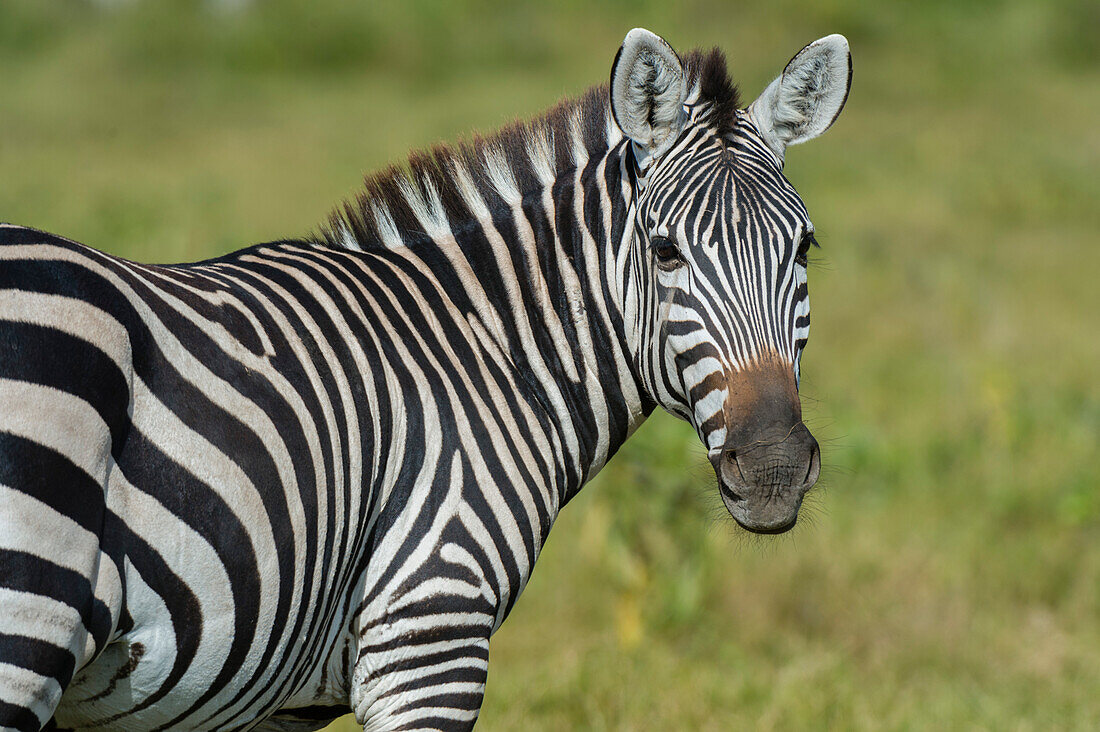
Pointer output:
x,y
544,265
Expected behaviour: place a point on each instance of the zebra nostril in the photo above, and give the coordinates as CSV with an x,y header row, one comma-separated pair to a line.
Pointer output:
x,y
814,469
732,471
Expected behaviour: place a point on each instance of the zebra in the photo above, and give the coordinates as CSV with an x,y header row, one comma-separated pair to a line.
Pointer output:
x,y
313,476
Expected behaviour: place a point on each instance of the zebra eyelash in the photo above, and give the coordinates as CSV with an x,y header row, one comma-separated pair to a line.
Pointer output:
x,y
801,257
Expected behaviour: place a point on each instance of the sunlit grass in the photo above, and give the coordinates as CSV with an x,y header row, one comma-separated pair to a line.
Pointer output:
x,y
949,573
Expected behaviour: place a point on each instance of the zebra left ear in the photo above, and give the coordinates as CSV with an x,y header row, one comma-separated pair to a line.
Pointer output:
x,y
647,92
807,97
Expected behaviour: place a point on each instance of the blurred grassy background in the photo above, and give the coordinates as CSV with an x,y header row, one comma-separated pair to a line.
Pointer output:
x,y
949,575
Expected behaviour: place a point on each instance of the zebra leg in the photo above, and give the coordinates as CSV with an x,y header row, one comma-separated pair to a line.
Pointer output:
x,y
430,683
424,665
51,565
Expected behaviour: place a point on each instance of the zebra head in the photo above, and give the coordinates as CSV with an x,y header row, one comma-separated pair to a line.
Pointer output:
x,y
714,277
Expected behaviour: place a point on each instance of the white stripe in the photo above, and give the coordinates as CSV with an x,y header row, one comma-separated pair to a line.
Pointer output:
x,y
29,690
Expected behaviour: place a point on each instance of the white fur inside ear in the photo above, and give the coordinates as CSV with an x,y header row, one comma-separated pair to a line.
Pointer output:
x,y
807,97
648,91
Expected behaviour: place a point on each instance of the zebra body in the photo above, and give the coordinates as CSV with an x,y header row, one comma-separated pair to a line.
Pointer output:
x,y
379,448
313,476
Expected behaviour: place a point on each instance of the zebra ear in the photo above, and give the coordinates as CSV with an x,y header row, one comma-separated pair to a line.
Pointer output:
x,y
807,97
647,92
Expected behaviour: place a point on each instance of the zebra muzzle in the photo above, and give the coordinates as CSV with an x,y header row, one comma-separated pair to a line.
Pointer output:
x,y
763,481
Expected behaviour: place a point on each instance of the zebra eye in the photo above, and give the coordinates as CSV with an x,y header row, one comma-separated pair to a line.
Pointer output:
x,y
801,257
666,253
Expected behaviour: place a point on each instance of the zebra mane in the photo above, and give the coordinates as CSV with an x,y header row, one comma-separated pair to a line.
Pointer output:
x,y
445,184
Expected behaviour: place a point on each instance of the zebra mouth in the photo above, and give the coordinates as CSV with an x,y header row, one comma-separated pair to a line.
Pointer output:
x,y
730,493
769,532
741,510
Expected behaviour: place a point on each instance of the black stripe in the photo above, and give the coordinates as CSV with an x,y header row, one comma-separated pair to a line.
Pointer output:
x,y
38,656
41,355
18,718
32,574
50,477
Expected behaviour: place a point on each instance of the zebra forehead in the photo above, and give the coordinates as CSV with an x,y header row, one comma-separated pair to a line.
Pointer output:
x,y
710,181
731,186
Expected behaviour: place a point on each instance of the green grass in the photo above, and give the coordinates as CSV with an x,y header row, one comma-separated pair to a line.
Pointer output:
x,y
949,573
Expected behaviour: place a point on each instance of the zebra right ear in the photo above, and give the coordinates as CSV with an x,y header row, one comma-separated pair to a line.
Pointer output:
x,y
647,92
807,97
